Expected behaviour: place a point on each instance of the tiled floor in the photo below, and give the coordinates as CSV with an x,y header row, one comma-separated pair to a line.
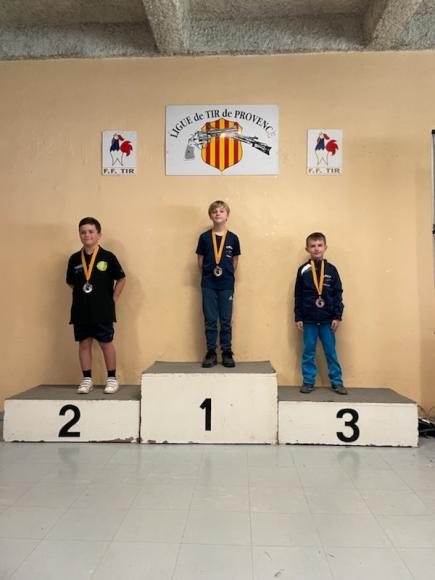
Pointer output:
x,y
127,512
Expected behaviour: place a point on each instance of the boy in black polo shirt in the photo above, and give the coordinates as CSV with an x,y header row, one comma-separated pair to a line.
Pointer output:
x,y
318,311
97,280
218,252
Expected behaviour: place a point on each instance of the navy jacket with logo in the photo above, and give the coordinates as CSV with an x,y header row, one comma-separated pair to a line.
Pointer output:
x,y
306,294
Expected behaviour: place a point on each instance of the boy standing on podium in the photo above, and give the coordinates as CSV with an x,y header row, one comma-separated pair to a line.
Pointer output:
x,y
97,280
218,253
318,311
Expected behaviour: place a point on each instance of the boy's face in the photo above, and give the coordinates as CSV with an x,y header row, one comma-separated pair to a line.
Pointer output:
x,y
316,249
219,215
89,235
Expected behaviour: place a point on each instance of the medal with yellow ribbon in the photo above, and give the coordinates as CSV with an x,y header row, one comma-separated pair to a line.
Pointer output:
x,y
218,271
87,287
320,303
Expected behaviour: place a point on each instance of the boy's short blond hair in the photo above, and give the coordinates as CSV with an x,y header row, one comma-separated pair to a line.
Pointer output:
x,y
314,237
216,204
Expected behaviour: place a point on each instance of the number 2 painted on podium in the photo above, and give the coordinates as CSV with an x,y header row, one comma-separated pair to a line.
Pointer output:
x,y
206,404
65,431
352,424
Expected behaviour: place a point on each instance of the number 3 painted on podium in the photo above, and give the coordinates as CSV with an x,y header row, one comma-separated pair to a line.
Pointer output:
x,y
352,424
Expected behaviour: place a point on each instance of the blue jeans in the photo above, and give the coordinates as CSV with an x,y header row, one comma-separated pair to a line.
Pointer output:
x,y
217,305
327,337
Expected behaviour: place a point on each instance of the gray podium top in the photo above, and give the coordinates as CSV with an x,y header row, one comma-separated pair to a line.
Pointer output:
x,y
69,393
324,395
162,367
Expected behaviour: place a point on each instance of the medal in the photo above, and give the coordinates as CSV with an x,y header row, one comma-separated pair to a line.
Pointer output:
x,y
87,287
218,270
320,303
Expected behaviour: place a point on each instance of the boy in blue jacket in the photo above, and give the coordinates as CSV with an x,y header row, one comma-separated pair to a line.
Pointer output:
x,y
318,312
218,253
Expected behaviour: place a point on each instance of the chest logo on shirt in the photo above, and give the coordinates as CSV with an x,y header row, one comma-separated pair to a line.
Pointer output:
x,y
102,266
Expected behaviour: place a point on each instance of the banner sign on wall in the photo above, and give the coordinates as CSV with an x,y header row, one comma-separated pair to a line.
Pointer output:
x,y
222,140
325,152
118,156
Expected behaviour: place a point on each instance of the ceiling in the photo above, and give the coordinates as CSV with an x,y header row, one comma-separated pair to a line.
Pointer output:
x,y
123,28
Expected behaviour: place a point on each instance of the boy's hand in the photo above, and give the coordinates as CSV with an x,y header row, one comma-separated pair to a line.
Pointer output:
x,y
299,325
334,325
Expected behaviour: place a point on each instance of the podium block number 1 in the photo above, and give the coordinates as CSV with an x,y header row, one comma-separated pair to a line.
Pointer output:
x,y
65,431
206,405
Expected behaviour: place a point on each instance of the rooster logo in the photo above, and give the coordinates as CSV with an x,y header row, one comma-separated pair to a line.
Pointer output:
x,y
119,148
325,146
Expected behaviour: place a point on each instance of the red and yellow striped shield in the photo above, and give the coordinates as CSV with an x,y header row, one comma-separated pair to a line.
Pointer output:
x,y
221,151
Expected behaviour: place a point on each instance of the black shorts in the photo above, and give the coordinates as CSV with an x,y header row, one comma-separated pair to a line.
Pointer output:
x,y
103,331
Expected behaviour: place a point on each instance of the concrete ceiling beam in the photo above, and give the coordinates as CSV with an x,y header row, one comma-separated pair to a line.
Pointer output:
x,y
169,21
386,20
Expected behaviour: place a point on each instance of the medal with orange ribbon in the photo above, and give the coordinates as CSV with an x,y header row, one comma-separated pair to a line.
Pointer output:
x,y
218,270
320,303
87,286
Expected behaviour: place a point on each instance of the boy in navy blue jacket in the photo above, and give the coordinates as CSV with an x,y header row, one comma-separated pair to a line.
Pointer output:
x,y
218,252
318,312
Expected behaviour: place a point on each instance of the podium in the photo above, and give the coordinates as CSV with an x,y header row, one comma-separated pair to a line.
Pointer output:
x,y
58,413
184,403
363,417
181,402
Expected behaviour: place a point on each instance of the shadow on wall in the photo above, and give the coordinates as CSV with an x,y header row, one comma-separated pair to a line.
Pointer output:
x,y
127,343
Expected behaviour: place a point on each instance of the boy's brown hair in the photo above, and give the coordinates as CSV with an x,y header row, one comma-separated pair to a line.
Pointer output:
x,y
92,222
218,203
314,237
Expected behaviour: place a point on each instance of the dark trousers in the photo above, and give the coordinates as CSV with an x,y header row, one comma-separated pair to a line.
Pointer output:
x,y
217,305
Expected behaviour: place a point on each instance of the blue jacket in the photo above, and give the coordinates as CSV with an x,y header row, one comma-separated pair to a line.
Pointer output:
x,y
306,294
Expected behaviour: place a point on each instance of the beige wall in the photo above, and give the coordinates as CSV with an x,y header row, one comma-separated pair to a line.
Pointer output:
x,y
377,216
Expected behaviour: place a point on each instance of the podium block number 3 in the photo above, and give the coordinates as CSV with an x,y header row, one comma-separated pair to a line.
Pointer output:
x,y
352,423
206,405
65,431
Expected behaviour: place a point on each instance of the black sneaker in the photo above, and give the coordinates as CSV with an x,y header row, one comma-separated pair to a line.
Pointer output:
x,y
306,388
210,359
227,359
339,389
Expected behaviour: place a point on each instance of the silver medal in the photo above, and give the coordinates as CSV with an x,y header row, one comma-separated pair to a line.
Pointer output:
x,y
218,271
87,288
320,303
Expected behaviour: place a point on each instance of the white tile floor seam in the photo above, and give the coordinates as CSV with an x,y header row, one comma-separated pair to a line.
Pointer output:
x,y
252,571
182,537
394,548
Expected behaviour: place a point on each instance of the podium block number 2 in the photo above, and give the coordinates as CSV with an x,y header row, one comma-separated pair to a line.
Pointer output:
x,y
352,423
65,431
206,405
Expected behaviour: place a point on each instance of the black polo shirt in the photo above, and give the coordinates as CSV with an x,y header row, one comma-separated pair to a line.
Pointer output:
x,y
205,249
97,306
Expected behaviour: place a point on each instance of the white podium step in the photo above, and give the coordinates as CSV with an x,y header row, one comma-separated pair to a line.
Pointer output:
x,y
184,403
58,413
379,417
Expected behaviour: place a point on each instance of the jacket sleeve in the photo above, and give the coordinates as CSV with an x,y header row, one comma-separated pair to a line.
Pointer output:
x,y
298,297
338,296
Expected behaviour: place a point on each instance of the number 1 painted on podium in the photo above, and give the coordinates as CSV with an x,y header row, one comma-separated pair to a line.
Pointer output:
x,y
206,404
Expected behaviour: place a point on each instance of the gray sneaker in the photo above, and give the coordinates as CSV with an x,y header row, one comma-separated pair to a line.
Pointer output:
x,y
339,389
306,389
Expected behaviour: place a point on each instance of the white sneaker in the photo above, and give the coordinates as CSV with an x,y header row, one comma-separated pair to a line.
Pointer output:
x,y
112,386
85,386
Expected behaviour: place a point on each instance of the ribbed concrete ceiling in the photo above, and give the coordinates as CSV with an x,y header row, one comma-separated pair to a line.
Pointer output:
x,y
112,28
